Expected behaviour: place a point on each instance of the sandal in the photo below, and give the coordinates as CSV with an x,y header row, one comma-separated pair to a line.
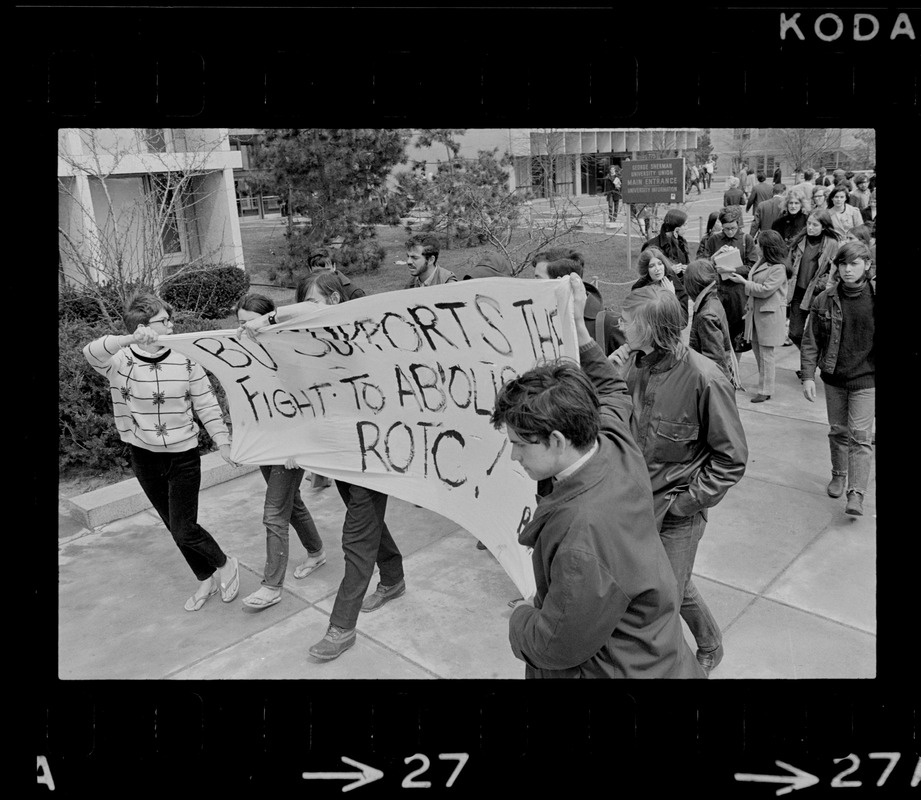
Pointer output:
x,y
312,563
195,602
258,601
229,590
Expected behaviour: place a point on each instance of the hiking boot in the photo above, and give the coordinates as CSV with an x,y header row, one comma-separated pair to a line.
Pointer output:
x,y
334,644
709,659
383,594
854,505
835,487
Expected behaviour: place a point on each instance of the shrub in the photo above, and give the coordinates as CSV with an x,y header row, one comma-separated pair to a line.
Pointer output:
x,y
364,256
86,429
209,293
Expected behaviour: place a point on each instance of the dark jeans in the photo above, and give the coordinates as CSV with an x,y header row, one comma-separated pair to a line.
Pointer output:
x,y
171,482
283,505
680,536
365,540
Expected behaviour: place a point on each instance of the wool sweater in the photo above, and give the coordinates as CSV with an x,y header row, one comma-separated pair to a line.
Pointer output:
x,y
154,397
855,367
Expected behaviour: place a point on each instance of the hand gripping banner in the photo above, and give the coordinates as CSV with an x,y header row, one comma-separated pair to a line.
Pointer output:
x,y
394,392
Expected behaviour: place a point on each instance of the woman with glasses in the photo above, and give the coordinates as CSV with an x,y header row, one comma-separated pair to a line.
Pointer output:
x,y
156,395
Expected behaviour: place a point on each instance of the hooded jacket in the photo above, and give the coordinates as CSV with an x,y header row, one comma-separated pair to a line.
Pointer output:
x,y
606,604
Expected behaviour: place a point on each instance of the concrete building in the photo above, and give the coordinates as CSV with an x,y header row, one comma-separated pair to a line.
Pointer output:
x,y
145,201
564,161
760,149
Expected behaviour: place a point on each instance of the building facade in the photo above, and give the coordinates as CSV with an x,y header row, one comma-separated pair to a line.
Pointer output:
x,y
564,161
764,149
142,202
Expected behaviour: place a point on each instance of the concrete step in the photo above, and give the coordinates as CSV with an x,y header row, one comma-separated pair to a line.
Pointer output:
x,y
127,497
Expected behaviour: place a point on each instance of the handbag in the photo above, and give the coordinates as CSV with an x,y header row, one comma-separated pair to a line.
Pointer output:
x,y
740,344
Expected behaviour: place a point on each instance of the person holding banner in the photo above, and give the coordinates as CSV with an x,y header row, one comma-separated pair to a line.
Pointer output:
x,y
606,604
155,393
687,426
365,536
283,503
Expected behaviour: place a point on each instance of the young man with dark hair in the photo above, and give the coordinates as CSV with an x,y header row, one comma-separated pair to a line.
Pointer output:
x,y
422,255
759,194
606,600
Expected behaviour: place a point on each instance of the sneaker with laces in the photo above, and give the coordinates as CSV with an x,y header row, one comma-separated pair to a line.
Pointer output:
x,y
334,644
835,486
383,594
854,505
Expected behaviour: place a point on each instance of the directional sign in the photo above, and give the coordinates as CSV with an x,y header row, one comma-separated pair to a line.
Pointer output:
x,y
658,180
367,775
799,780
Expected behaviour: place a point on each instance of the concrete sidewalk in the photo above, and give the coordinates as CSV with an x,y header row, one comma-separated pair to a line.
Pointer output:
x,y
790,578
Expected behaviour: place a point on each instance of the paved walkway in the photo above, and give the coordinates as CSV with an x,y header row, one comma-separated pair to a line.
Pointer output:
x,y
789,577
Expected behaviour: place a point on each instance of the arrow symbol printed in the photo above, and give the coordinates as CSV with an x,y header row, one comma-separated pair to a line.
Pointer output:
x,y
367,775
799,780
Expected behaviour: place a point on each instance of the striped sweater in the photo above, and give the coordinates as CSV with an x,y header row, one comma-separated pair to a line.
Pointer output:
x,y
154,396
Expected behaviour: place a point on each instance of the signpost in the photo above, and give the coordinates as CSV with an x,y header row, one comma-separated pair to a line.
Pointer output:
x,y
658,180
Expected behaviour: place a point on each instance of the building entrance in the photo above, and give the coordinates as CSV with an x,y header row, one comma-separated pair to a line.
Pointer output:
x,y
594,167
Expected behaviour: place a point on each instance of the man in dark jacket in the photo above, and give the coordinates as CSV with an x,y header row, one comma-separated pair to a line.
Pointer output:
x,y
561,261
768,212
606,604
760,193
687,425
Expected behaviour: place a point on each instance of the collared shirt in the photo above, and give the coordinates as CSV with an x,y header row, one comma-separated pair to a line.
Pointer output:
x,y
573,468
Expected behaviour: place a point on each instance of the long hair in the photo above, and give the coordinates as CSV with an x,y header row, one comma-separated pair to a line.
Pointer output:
x,y
642,263
698,275
656,316
674,218
774,249
822,216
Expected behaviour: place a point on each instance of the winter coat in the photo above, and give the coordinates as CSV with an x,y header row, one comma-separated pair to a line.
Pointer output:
x,y
675,248
849,218
766,215
731,294
817,284
822,336
691,436
790,225
606,604
733,197
710,331
761,192
349,290
765,309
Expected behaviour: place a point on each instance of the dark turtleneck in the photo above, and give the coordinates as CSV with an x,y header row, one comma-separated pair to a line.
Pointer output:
x,y
809,263
855,366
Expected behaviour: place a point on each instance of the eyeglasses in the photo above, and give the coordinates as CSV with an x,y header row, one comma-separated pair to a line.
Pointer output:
x,y
167,320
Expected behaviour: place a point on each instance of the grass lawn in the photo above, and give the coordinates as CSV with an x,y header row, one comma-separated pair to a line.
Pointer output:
x,y
606,263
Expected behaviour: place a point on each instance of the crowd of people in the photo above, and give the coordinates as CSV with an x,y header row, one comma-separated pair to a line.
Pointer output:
x,y
630,448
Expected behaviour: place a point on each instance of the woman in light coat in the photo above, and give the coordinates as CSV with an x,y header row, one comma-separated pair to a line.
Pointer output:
x,y
843,215
765,308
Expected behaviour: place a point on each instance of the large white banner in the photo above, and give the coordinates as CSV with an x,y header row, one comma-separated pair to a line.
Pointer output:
x,y
394,392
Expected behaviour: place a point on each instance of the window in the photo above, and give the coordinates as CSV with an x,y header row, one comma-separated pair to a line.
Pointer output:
x,y
742,133
166,209
154,140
